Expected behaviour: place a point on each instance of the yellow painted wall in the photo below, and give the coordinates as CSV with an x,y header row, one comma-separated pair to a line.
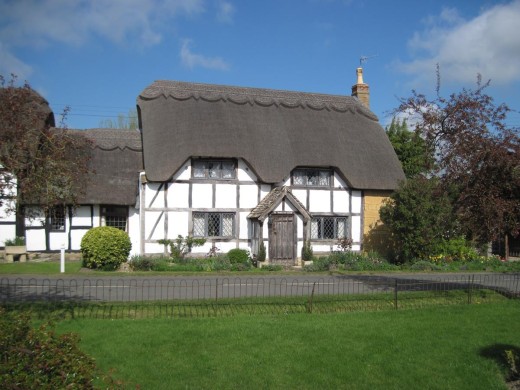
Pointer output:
x,y
375,235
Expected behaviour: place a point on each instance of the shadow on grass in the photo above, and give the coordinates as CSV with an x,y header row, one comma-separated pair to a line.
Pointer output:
x,y
506,356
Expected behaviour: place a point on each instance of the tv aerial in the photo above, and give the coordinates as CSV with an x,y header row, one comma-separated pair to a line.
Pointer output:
x,y
364,59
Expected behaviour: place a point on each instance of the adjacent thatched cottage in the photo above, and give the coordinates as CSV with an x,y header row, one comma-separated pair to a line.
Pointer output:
x,y
237,166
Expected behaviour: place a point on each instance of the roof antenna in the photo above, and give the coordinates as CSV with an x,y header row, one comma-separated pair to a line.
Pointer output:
x,y
364,59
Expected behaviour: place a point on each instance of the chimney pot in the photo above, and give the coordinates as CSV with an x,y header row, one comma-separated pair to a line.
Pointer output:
x,y
361,90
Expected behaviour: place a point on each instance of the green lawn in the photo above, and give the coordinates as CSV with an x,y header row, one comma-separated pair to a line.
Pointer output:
x,y
39,267
432,348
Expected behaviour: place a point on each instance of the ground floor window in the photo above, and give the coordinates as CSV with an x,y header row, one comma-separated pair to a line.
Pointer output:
x,y
56,218
328,228
114,216
213,224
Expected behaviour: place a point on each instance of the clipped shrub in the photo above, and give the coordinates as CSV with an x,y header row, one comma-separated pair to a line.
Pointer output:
x,y
237,256
261,253
307,252
39,358
105,248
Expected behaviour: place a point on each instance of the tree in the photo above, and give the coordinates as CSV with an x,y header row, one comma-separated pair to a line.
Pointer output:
x,y
47,163
419,215
410,148
128,121
477,156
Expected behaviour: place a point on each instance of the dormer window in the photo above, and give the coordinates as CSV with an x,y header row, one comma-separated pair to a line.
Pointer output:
x,y
312,177
213,169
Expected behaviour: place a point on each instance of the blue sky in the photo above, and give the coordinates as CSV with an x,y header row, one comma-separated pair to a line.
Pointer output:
x,y
97,56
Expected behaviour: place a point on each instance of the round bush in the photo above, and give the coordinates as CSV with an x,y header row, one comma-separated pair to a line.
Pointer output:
x,y
237,256
105,248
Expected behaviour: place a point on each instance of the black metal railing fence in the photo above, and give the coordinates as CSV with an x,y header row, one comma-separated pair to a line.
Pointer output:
x,y
214,296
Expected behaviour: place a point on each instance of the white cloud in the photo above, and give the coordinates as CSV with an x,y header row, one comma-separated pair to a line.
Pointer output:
x,y
38,23
225,11
488,45
29,22
192,60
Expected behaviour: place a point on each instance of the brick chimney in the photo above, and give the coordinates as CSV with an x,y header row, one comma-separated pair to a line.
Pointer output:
x,y
361,90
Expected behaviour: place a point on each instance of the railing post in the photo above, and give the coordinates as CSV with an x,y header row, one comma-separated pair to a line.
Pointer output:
x,y
216,289
309,306
395,295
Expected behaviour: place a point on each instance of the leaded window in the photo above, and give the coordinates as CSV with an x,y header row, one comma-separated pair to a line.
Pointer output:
x,y
114,216
57,218
213,224
328,228
214,169
310,177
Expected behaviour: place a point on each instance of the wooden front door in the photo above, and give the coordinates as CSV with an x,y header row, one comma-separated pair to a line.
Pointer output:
x,y
281,239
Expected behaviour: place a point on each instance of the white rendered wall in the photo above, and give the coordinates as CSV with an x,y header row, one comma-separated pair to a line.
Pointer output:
x,y
248,196
356,202
178,195
133,229
341,201
356,228
338,182
225,196
301,195
244,173
202,196
7,231
319,201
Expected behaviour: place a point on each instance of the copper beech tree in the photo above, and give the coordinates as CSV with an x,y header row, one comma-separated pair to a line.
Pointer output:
x,y
39,163
477,158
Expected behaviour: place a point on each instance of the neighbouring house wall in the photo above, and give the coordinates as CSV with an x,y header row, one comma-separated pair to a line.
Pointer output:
x,y
376,236
78,221
7,216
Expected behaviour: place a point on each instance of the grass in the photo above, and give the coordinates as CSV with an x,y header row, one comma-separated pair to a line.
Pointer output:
x,y
433,348
320,304
39,268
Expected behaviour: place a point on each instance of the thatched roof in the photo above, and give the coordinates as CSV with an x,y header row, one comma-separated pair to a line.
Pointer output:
x,y
116,161
274,131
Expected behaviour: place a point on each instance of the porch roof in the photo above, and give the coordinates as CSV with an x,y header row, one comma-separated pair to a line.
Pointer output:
x,y
271,202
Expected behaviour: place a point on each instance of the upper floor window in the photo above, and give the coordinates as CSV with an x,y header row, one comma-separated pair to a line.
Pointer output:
x,y
114,216
213,224
57,218
328,228
311,177
214,169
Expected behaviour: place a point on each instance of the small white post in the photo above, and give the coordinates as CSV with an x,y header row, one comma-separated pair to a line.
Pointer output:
x,y
62,259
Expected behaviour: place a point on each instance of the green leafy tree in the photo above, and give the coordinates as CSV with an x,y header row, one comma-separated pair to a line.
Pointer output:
x,y
419,215
128,121
410,147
